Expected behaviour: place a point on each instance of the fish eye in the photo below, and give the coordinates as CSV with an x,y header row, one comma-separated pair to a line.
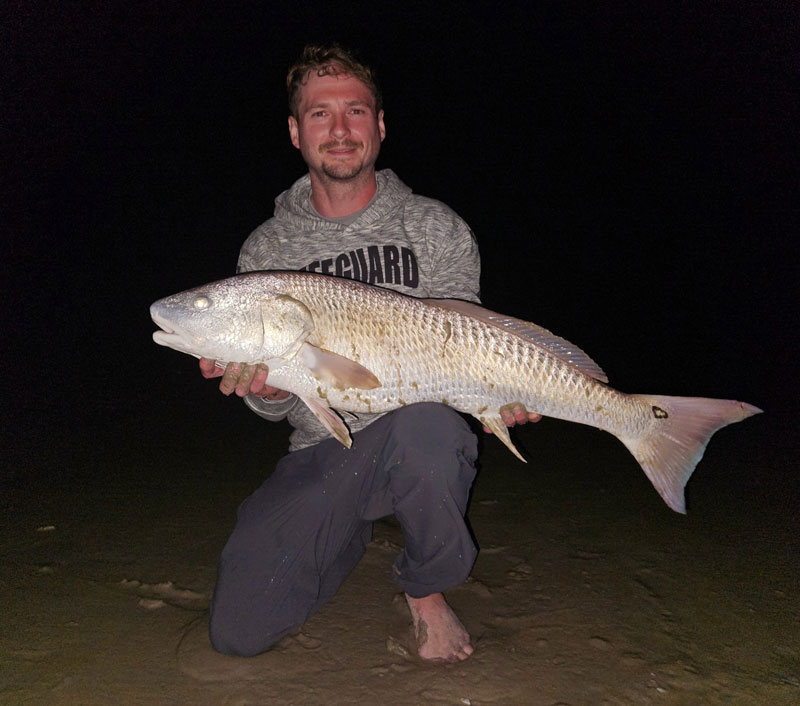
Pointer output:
x,y
201,302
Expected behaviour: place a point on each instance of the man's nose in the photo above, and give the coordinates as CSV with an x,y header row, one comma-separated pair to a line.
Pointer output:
x,y
339,127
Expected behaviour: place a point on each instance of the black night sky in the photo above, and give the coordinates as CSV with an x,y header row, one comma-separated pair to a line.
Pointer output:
x,y
629,169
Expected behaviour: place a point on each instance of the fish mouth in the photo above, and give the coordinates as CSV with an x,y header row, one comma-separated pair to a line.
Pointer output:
x,y
169,337
162,324
166,336
166,330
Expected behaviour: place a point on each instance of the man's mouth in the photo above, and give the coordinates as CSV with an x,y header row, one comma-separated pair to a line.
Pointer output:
x,y
339,147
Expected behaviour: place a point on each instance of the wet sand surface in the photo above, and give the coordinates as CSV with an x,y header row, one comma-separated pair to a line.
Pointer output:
x,y
587,589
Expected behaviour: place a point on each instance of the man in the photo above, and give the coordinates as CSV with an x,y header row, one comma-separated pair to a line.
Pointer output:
x,y
300,534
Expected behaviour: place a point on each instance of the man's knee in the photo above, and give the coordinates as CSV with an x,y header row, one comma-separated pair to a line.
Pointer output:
x,y
237,644
430,425
243,634
434,451
232,644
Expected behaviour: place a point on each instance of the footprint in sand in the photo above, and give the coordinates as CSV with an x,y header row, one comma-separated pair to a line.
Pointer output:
x,y
494,549
520,572
153,596
474,586
600,643
306,641
397,648
386,545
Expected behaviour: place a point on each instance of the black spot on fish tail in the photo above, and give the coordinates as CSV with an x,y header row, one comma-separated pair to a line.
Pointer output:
x,y
659,413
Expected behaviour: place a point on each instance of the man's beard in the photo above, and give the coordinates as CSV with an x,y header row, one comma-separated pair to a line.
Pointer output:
x,y
340,171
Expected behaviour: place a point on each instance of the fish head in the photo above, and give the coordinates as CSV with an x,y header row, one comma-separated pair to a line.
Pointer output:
x,y
239,319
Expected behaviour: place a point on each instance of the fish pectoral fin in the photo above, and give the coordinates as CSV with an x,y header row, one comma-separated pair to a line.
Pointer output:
x,y
286,323
329,419
335,370
500,430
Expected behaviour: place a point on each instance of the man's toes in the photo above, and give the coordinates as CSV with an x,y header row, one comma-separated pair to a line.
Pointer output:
x,y
465,652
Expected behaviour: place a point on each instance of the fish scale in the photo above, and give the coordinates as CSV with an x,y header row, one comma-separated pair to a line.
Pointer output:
x,y
478,367
351,347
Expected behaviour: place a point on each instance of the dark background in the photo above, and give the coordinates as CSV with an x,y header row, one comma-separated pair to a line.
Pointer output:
x,y
630,173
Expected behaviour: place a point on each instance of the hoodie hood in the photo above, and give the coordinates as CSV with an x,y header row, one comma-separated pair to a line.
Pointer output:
x,y
293,207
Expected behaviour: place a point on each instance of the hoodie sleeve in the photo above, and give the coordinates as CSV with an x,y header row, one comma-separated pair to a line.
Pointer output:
x,y
257,252
456,264
452,261
273,411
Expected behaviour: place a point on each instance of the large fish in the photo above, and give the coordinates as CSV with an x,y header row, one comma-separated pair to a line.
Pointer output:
x,y
343,345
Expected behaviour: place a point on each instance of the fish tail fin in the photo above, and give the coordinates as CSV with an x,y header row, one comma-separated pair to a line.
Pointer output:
x,y
669,452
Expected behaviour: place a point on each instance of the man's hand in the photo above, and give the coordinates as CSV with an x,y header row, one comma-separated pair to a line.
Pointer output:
x,y
242,379
515,413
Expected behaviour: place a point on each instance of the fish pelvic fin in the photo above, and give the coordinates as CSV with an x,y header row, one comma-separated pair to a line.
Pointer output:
x,y
329,419
671,450
500,430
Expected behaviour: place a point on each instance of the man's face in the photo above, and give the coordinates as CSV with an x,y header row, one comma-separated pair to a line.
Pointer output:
x,y
337,130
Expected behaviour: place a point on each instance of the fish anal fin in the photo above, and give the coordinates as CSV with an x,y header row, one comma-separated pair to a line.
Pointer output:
x,y
337,371
500,430
329,419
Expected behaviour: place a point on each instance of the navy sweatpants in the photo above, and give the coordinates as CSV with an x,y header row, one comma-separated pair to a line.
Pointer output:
x,y
304,530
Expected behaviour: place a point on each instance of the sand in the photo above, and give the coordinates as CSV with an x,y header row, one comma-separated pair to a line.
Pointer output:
x,y
587,589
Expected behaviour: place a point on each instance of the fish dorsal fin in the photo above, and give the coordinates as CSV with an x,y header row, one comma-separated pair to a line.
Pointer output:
x,y
336,370
566,351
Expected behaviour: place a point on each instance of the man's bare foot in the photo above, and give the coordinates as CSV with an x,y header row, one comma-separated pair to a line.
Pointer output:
x,y
440,635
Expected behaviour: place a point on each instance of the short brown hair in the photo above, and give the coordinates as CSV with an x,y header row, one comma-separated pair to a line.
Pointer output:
x,y
329,61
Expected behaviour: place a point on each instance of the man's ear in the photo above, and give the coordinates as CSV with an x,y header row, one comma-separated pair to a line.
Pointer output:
x,y
293,131
381,126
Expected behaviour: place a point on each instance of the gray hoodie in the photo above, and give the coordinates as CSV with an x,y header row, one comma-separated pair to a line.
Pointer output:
x,y
400,241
